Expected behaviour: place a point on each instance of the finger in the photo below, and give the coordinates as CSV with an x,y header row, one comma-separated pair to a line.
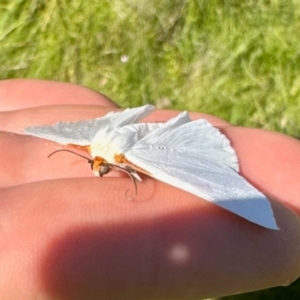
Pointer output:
x,y
66,241
23,93
270,161
25,159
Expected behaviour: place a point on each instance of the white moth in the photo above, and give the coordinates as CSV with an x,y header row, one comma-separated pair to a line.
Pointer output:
x,y
191,155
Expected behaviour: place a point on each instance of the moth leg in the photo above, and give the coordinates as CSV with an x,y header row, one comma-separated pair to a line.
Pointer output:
x,y
135,187
121,159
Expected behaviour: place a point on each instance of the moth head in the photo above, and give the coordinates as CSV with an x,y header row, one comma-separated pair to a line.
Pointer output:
x,y
100,166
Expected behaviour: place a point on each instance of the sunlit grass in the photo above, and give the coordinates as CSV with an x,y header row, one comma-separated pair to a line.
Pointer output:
x,y
236,59
239,60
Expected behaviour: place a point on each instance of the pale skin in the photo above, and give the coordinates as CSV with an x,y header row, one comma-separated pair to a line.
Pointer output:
x,y
65,234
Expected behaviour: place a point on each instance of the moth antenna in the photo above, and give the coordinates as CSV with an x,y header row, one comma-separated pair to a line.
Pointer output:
x,y
75,153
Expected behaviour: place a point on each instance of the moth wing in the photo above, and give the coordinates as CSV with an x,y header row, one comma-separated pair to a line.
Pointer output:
x,y
207,179
82,132
130,115
78,133
196,157
197,137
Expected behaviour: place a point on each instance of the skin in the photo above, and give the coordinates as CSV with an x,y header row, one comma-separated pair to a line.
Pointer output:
x,y
65,234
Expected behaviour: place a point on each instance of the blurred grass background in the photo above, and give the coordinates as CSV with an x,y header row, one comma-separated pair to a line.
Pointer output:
x,y
239,60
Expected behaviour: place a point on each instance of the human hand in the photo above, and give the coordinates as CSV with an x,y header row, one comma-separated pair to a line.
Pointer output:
x,y
68,235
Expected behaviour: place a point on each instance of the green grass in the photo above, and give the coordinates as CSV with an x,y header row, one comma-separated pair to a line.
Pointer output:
x,y
236,59
239,60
